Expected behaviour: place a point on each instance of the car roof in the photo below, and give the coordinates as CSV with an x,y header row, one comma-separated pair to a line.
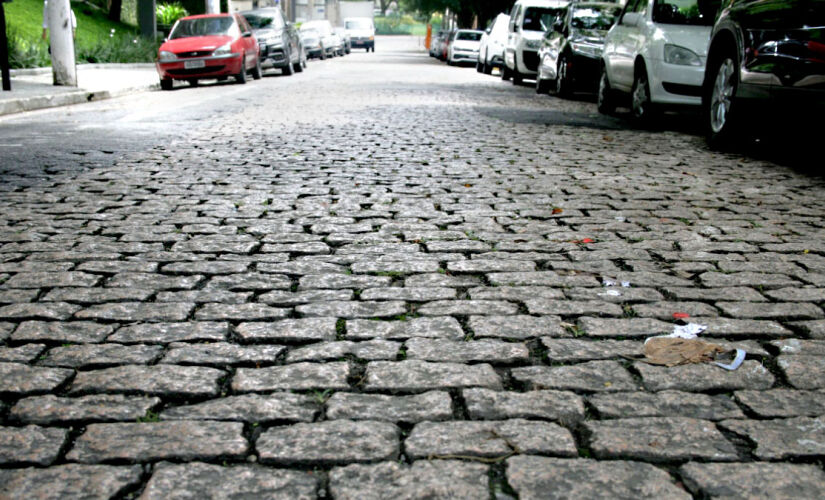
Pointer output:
x,y
202,16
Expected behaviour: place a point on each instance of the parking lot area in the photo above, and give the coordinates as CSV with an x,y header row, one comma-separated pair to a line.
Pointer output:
x,y
386,277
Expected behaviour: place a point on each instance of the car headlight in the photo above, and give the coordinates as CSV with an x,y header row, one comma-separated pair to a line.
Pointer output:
x,y
586,49
223,50
166,56
681,56
533,44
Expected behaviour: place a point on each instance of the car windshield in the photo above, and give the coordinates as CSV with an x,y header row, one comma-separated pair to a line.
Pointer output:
x,y
358,24
468,35
685,12
321,28
309,33
262,20
539,18
202,26
594,17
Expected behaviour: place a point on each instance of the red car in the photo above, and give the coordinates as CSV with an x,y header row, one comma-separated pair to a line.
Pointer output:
x,y
208,46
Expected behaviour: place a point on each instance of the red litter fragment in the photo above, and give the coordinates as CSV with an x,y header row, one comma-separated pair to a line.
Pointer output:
x,y
587,240
681,315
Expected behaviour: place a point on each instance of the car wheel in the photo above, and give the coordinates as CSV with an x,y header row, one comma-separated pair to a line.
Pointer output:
x,y
479,67
516,75
488,68
323,53
562,79
542,85
301,63
304,59
241,77
644,111
721,122
605,102
166,84
257,72
505,73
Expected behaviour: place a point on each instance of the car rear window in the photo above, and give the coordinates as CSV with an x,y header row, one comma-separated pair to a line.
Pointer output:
x,y
358,24
594,17
539,18
686,12
204,26
468,35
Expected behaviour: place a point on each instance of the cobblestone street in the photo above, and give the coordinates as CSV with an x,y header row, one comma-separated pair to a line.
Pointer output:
x,y
387,278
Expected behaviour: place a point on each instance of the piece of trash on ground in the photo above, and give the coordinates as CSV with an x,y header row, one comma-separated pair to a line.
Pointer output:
x,y
674,351
736,363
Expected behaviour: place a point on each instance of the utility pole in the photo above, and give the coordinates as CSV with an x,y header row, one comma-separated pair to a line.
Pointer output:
x,y
213,6
4,48
61,39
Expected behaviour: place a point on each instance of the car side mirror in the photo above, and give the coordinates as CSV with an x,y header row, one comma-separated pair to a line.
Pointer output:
x,y
631,19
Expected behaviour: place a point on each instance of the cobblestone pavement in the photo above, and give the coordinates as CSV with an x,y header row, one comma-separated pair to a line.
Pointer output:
x,y
392,285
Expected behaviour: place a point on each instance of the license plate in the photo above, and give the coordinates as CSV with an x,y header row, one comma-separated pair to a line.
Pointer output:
x,y
194,64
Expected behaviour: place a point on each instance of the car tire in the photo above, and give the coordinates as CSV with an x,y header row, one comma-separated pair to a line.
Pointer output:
x,y
721,114
542,85
257,72
605,100
516,75
241,77
166,84
563,84
505,73
643,110
323,53
488,68
298,67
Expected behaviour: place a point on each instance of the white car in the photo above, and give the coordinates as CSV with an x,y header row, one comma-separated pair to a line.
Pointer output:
x,y
464,47
491,50
656,54
529,19
329,43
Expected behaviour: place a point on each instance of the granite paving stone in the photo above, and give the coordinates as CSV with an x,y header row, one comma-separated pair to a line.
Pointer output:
x,y
99,355
410,294
800,346
289,330
486,350
71,331
275,407
782,402
421,479
540,278
166,333
665,404
780,438
334,442
815,329
295,376
467,308
420,376
23,354
441,280
51,409
765,280
797,294
249,282
137,311
624,327
6,329
200,480
180,440
353,309
96,295
534,477
428,406
220,353
49,280
573,308
745,328
436,327
803,371
659,439
489,439
239,312
572,350
69,481
157,380
753,480
370,350
515,293
741,293
59,311
593,376
154,281
335,281
564,407
518,327
22,379
287,299
30,445
705,377
615,295
780,310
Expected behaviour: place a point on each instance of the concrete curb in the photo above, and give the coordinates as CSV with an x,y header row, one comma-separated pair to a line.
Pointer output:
x,y
48,69
13,106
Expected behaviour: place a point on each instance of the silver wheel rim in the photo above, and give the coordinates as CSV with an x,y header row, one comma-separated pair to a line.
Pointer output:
x,y
640,97
721,95
560,75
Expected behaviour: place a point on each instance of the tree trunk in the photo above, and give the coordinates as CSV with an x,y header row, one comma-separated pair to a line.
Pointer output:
x,y
64,71
115,7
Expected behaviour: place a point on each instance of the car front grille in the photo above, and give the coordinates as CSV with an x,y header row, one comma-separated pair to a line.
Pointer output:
x,y
195,71
196,53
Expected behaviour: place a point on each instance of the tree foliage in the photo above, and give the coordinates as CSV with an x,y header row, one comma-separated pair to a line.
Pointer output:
x,y
465,10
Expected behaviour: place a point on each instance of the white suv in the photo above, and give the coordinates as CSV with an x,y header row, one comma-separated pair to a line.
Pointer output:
x,y
529,19
656,54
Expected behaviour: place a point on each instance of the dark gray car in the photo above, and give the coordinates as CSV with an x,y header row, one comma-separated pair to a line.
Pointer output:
x,y
278,40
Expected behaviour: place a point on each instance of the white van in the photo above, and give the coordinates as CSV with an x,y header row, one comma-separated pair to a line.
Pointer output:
x,y
361,31
529,19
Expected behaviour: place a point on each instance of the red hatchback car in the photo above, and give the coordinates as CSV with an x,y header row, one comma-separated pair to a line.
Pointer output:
x,y
208,46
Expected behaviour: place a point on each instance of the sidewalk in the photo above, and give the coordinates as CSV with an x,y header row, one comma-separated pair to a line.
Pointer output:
x,y
32,88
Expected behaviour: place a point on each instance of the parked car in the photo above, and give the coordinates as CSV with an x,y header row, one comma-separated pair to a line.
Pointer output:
x,y
324,41
655,54
491,49
571,51
529,20
311,40
279,43
437,42
464,47
337,44
766,56
362,32
445,47
208,46
346,39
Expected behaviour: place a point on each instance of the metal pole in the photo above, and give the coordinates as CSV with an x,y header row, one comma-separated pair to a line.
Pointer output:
x,y
61,38
4,49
